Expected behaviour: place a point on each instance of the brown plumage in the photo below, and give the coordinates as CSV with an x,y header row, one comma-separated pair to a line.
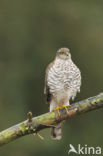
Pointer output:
x,y
62,82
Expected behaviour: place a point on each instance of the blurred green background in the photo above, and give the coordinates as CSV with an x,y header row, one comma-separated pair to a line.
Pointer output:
x,y
31,31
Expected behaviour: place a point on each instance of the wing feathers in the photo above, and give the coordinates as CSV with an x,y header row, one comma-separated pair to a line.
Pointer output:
x,y
46,88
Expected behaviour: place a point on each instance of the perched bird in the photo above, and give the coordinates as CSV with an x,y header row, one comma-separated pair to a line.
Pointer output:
x,y
62,82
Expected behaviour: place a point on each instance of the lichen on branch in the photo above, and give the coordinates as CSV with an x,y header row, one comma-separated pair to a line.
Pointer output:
x,y
35,124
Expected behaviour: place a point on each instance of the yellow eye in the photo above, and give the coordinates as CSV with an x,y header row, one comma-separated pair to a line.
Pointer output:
x,y
62,53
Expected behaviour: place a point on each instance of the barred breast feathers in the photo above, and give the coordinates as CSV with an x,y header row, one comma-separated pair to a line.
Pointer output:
x,y
64,75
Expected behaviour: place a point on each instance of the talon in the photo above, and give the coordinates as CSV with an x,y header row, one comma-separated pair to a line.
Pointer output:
x,y
63,106
57,109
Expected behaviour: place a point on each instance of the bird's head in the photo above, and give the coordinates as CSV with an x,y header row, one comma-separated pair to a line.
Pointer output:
x,y
63,53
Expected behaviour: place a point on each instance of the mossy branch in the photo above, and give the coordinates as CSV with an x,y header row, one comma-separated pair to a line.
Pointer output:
x,y
35,124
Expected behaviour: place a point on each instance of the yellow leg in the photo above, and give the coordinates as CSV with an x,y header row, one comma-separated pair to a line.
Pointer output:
x,y
57,109
63,106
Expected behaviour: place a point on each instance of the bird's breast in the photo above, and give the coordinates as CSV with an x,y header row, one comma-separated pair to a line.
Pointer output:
x,y
64,77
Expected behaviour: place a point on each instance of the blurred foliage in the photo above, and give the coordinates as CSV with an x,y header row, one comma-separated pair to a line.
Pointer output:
x,y
30,34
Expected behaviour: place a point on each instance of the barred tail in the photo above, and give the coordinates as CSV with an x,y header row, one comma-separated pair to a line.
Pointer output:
x,y
56,132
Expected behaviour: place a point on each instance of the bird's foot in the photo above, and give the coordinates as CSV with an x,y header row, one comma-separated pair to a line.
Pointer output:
x,y
66,106
57,109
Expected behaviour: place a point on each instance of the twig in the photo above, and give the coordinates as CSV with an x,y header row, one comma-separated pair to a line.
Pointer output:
x,y
34,125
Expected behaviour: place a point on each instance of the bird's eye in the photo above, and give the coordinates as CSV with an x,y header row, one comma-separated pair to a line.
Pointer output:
x,y
62,53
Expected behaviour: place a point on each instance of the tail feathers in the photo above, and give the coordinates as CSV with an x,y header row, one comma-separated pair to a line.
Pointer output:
x,y
56,132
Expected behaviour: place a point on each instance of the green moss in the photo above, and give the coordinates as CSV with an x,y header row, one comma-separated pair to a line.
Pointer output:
x,y
46,119
93,102
22,128
98,100
26,128
83,107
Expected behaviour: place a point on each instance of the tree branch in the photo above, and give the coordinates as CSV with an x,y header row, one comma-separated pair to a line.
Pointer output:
x,y
33,125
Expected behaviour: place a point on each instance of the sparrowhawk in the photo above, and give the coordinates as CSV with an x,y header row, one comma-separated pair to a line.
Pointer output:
x,y
62,82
